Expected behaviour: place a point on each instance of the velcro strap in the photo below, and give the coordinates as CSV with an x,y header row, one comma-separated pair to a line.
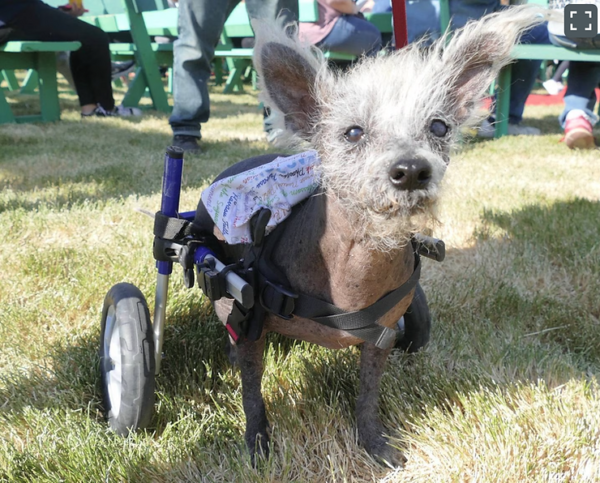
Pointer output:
x,y
170,228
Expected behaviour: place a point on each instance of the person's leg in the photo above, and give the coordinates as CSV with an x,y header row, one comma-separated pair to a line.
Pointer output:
x,y
524,74
560,70
200,26
462,11
90,65
272,9
353,35
581,83
288,9
578,117
382,6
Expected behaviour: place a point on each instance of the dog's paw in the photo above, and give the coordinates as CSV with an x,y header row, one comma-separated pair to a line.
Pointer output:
x,y
258,448
386,454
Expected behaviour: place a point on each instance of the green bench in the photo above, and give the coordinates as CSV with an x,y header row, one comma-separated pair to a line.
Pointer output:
x,y
146,18
118,16
239,60
521,52
41,58
532,52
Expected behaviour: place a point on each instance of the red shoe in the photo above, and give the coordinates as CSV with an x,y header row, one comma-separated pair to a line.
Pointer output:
x,y
578,133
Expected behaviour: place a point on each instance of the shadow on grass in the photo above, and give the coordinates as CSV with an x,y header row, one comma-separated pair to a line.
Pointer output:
x,y
564,234
123,171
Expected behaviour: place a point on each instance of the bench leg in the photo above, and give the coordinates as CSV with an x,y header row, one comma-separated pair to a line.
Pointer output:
x,y
218,69
11,80
6,114
503,102
46,67
137,88
234,81
118,83
30,83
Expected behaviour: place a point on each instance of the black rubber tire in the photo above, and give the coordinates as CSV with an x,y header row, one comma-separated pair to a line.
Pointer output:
x,y
128,402
417,324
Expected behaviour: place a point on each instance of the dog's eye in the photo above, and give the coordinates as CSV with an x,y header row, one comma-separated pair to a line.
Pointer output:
x,y
439,128
354,134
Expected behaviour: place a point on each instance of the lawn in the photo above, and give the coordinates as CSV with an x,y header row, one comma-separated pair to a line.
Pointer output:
x,y
506,391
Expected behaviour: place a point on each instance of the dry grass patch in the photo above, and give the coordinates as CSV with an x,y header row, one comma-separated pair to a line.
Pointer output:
x,y
506,390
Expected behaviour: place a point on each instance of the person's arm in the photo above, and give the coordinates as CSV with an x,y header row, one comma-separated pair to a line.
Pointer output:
x,y
343,6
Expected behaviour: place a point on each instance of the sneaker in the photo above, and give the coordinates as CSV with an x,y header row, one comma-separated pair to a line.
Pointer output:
x,y
553,87
118,111
188,143
123,111
578,132
487,129
120,69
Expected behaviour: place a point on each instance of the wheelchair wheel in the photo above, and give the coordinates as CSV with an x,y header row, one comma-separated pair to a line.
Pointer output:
x,y
127,359
415,326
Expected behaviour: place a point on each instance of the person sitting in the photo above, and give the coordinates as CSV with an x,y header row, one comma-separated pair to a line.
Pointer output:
x,y
90,65
342,28
578,117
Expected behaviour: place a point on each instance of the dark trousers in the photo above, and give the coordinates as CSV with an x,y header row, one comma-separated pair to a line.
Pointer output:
x,y
90,65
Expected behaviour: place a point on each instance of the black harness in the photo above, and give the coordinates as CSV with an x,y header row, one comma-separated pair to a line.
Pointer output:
x,y
176,239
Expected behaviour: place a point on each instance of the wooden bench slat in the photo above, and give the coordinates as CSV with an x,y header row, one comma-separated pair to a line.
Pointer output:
x,y
246,53
34,46
545,52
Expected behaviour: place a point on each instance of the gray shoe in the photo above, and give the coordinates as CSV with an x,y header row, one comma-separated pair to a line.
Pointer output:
x,y
188,143
487,129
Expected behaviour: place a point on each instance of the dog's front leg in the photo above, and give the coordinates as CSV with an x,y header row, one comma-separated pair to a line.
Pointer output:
x,y
370,429
250,359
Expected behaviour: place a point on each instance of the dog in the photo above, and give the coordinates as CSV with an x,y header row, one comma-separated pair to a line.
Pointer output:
x,y
383,131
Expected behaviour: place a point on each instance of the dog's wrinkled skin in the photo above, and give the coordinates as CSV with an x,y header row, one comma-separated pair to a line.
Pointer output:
x,y
374,127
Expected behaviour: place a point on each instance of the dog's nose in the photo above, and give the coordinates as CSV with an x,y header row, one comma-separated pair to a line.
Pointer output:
x,y
410,174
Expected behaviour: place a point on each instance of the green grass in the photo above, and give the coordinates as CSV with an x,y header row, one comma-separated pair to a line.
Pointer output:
x,y
506,390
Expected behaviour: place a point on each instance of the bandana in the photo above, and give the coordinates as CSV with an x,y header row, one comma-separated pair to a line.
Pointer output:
x,y
278,186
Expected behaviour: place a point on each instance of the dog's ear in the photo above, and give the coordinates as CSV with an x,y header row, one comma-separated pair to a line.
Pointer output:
x,y
476,53
287,73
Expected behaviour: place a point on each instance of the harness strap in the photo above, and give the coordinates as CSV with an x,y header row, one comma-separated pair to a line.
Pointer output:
x,y
277,298
170,228
360,323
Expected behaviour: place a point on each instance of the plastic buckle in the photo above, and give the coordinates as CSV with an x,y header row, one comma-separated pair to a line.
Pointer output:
x,y
281,300
236,323
210,282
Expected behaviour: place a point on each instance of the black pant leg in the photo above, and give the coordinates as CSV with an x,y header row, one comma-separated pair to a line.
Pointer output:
x,y
90,65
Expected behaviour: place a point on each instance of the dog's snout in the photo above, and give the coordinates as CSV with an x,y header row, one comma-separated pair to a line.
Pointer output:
x,y
410,174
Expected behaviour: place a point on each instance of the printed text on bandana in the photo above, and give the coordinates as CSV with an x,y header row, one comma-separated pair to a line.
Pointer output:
x,y
278,186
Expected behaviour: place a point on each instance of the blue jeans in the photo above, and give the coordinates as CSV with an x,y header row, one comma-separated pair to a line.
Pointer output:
x,y
353,35
524,74
200,26
423,20
381,6
582,81
461,11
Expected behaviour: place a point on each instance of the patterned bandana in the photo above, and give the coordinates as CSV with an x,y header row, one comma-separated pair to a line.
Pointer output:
x,y
278,186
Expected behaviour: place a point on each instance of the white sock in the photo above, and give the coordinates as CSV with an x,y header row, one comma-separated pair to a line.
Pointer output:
x,y
577,113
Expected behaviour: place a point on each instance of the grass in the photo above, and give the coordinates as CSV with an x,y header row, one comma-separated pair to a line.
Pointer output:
x,y
506,391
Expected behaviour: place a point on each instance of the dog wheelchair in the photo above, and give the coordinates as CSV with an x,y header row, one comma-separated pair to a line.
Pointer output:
x,y
131,343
